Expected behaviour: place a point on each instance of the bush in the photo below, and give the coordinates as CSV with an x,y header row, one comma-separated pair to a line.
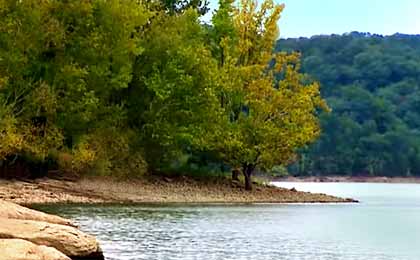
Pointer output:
x,y
107,152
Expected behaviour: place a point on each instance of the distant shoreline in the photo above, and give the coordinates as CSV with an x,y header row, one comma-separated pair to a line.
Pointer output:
x,y
155,190
354,179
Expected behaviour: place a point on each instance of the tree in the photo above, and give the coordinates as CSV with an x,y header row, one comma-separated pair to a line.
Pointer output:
x,y
172,100
28,102
265,120
63,68
180,6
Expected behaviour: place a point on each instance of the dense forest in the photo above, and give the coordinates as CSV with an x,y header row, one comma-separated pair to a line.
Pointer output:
x,y
127,88
372,84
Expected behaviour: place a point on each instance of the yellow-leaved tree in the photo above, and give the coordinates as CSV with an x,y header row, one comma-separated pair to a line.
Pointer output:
x,y
270,108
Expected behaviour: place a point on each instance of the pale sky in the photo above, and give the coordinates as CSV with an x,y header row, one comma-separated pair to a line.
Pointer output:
x,y
314,17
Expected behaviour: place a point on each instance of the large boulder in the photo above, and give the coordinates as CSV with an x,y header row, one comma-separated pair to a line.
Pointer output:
x,y
14,211
18,249
66,239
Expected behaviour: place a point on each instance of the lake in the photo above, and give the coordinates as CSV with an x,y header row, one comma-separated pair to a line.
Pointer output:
x,y
384,226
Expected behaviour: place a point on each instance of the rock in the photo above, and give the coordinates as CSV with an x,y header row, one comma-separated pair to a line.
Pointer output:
x,y
323,179
166,179
18,249
351,200
66,239
36,235
14,211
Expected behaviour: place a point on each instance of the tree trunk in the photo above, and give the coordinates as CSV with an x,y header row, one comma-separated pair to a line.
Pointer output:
x,y
235,174
247,171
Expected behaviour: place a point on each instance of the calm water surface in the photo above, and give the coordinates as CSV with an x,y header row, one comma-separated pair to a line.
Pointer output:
x,y
385,226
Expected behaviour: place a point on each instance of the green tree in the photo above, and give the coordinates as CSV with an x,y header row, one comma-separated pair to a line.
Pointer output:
x,y
172,99
265,119
180,6
63,67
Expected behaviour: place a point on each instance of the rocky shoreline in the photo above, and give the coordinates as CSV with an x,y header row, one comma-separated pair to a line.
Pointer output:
x,y
27,234
155,190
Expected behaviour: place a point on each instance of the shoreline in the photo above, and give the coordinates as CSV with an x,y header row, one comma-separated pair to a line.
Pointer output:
x,y
349,179
157,190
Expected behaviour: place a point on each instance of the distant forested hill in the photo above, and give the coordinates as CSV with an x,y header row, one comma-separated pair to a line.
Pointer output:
x,y
372,84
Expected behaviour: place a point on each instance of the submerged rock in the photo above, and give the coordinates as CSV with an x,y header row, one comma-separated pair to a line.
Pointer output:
x,y
18,249
13,211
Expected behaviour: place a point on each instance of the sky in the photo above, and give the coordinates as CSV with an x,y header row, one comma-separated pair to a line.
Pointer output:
x,y
314,17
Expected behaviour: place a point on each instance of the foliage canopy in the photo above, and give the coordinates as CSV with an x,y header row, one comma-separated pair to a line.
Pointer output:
x,y
122,88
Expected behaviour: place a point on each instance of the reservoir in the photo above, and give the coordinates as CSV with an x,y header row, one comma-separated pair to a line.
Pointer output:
x,y
385,225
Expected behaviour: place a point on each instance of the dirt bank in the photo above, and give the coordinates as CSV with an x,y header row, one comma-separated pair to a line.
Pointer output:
x,y
151,190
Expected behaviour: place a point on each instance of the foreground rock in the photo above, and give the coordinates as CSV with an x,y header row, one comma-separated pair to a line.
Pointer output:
x,y
27,234
68,240
13,211
18,249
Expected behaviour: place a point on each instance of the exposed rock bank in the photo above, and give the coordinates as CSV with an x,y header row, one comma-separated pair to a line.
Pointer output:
x,y
27,234
13,211
152,190
18,249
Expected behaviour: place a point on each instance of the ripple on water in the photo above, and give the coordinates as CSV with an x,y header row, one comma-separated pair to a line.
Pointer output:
x,y
372,230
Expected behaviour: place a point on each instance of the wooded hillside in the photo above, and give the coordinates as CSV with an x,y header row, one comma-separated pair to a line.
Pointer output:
x,y
372,84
